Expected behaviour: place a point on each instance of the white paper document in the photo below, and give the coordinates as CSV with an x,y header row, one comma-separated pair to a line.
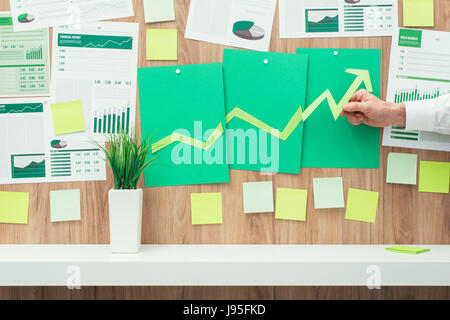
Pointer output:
x,y
419,70
97,65
24,61
337,18
37,14
31,153
238,23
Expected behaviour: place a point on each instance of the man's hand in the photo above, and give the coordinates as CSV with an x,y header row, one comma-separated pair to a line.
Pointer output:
x,y
365,108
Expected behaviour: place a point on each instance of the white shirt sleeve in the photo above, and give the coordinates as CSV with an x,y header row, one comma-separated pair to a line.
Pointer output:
x,y
429,115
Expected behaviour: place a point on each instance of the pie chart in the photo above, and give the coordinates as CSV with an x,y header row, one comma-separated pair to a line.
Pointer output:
x,y
248,30
25,18
58,144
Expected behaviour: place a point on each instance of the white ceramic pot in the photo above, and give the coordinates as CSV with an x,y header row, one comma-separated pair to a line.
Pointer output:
x,y
125,220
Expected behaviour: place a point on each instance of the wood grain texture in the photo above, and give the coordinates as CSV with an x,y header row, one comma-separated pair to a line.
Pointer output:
x,y
404,215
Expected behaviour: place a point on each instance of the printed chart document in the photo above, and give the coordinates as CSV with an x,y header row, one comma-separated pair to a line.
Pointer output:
x,y
97,65
419,70
239,23
24,61
337,18
37,14
31,153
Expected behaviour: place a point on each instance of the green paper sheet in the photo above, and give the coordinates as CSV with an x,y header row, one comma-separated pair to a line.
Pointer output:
x,y
328,193
68,117
361,205
434,176
291,204
406,249
14,207
418,13
264,92
179,101
65,205
258,196
206,208
329,143
159,10
401,168
162,44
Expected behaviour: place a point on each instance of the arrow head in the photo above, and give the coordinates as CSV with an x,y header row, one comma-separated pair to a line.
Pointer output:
x,y
364,76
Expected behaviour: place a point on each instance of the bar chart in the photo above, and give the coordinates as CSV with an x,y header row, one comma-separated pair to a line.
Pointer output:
x,y
414,94
111,120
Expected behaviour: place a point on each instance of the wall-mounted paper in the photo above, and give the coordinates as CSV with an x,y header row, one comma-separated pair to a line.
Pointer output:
x,y
407,249
24,61
182,109
265,94
162,44
361,205
65,205
328,193
41,14
434,176
14,207
237,23
333,76
258,197
206,208
401,168
291,204
159,10
418,13
68,117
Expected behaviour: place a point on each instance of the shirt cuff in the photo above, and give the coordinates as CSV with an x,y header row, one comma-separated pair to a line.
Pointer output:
x,y
420,115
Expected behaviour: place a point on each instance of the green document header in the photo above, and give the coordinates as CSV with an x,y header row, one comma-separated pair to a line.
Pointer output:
x,y
21,108
410,38
6,21
94,41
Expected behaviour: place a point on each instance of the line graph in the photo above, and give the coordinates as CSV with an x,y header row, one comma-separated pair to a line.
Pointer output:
x,y
21,108
105,45
362,76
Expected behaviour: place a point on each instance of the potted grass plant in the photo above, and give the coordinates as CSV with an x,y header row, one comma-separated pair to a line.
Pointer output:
x,y
127,158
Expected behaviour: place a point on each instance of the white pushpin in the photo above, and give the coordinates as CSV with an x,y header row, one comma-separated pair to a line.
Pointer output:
x,y
178,71
438,38
266,61
336,53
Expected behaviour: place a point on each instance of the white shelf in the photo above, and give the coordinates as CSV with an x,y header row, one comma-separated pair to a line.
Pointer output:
x,y
222,265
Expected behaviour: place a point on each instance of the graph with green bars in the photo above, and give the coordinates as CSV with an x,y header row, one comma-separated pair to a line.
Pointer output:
x,y
111,120
413,94
34,54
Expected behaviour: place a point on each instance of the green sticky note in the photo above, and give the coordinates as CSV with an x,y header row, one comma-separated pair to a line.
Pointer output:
x,y
206,208
418,13
401,168
406,249
68,117
159,10
328,193
361,205
162,44
258,197
65,205
14,207
333,75
291,204
182,109
434,176
264,95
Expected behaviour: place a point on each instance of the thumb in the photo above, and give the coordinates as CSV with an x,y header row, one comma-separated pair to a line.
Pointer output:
x,y
355,107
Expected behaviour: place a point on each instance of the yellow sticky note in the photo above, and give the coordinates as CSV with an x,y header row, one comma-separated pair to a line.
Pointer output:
x,y
291,204
68,117
418,13
14,207
162,44
361,205
206,208
434,177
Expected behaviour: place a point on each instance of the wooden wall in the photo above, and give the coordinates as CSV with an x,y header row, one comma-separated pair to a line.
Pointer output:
x,y
404,215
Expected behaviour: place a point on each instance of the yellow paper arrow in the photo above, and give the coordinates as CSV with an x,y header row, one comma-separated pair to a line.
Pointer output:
x,y
362,76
